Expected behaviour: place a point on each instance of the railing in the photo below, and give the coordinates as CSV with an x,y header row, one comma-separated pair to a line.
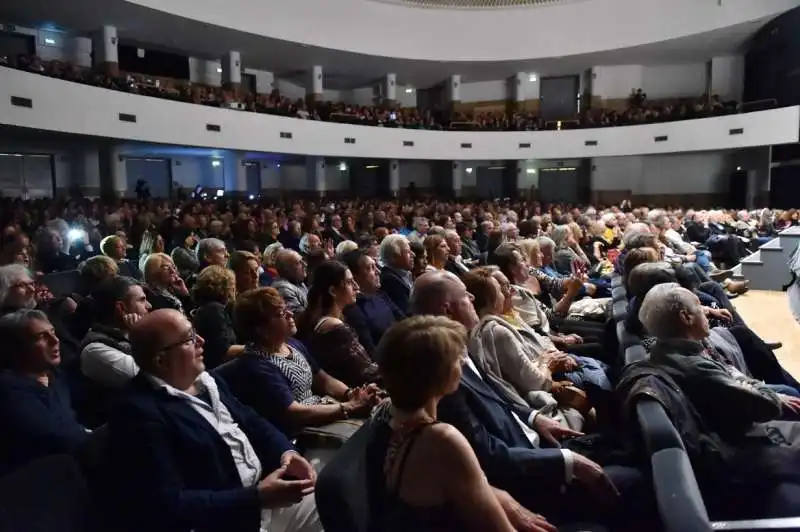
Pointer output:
x,y
473,4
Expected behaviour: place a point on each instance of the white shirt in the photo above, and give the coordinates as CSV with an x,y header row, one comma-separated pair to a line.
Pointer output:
x,y
527,428
107,366
217,415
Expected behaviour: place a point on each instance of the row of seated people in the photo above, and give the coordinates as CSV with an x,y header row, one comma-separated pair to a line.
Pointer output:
x,y
513,358
375,115
731,408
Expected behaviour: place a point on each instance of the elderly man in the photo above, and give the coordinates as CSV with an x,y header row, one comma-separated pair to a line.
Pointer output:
x,y
115,248
186,455
211,251
291,280
398,262
517,448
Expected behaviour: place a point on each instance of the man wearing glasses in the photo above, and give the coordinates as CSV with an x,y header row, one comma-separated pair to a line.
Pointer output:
x,y
188,456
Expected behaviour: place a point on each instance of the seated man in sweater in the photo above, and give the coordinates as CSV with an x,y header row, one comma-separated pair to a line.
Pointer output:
x,y
185,455
373,313
115,248
35,409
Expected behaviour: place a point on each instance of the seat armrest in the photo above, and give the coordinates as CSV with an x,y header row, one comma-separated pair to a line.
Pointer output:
x,y
657,429
635,353
680,503
784,524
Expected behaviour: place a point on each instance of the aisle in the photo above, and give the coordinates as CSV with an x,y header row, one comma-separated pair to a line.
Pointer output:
x,y
768,314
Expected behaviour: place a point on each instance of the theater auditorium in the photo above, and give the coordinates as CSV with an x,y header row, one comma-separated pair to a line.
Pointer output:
x,y
399,265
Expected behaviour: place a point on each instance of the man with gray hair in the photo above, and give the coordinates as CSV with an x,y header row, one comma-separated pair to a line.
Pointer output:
x,y
212,251
17,290
291,280
730,402
398,263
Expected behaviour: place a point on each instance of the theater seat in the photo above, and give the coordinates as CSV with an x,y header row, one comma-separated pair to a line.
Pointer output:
x,y
341,492
47,495
635,353
619,310
680,503
616,281
62,284
619,293
625,338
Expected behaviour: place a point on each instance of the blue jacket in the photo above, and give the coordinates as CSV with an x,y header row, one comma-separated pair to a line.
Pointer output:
x,y
170,471
504,452
370,317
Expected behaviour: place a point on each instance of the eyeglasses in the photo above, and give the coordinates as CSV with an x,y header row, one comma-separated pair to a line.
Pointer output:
x,y
192,339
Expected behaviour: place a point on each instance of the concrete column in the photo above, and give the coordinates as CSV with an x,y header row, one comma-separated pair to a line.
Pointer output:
x,y
80,51
518,86
232,71
458,178
106,55
390,88
394,177
315,86
84,165
454,88
235,173
315,170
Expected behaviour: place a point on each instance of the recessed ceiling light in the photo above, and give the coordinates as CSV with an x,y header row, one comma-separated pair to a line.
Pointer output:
x,y
219,70
409,90
532,78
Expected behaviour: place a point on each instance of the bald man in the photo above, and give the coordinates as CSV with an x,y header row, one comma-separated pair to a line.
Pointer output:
x,y
187,456
518,449
291,280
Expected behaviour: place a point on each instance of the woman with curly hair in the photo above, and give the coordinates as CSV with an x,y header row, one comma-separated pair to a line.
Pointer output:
x,y
214,293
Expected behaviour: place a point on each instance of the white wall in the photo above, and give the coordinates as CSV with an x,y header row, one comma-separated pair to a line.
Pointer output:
x,y
177,123
290,90
265,81
674,81
189,172
480,91
205,72
691,173
418,172
615,82
727,77
406,99
294,177
477,34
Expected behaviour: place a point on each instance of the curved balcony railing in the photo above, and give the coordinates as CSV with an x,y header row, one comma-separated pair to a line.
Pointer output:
x,y
474,4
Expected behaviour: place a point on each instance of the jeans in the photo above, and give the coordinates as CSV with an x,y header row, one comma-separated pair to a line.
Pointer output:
x,y
703,259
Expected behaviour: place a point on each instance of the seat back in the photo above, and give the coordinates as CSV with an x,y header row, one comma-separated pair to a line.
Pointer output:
x,y
46,495
62,283
341,492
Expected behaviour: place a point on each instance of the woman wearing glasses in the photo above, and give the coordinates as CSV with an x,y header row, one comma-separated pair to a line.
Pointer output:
x,y
164,286
276,376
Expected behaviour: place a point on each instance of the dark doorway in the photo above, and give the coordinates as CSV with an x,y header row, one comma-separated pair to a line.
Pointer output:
x,y
737,190
558,98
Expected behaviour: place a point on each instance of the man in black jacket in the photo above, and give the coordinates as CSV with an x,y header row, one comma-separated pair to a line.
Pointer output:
x,y
396,277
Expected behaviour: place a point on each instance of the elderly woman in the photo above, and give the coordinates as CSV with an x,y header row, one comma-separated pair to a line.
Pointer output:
x,y
213,293
565,250
163,285
245,266
425,473
275,374
211,251
268,260
535,314
519,362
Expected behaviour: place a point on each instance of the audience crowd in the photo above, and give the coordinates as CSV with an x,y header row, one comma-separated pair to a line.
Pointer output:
x,y
638,111
198,364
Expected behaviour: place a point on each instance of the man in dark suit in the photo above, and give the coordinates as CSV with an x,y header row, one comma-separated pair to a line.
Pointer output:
x,y
396,277
185,455
517,448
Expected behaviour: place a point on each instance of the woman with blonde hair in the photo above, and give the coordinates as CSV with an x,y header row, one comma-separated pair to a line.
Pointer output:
x,y
213,293
163,285
152,242
424,472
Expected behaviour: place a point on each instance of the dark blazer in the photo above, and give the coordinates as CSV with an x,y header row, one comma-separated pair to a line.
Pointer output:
x,y
370,317
504,452
170,471
397,290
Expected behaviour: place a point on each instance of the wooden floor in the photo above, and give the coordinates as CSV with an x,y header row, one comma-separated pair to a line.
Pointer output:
x,y
768,314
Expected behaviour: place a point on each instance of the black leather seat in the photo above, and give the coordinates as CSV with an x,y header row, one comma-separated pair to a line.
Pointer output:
x,y
619,309
635,353
625,338
62,284
618,293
